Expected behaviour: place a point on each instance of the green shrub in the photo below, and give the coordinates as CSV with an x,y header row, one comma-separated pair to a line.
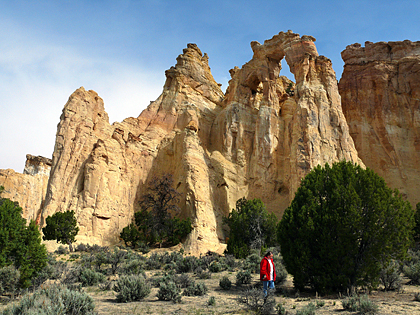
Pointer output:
x,y
169,291
53,300
131,267
390,276
225,283
89,277
243,277
20,244
251,227
412,271
256,301
61,250
201,274
216,266
153,262
307,310
252,263
9,280
188,264
341,222
366,306
205,261
363,305
196,289
280,310
173,257
211,301
131,288
106,286
48,272
115,258
81,248
184,281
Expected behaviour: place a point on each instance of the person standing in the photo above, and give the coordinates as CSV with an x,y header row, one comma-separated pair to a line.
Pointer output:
x,y
267,272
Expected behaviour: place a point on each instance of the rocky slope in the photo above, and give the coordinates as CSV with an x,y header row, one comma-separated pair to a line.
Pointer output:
x,y
380,92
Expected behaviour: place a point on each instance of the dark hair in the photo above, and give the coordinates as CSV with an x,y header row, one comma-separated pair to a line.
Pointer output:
x,y
268,253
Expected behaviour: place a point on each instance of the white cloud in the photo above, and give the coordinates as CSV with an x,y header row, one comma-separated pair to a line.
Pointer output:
x,y
37,77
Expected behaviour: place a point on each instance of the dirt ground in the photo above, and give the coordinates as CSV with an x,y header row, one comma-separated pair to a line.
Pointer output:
x,y
226,301
391,302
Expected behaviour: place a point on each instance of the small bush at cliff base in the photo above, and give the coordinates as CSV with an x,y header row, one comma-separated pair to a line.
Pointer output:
x,y
131,288
342,226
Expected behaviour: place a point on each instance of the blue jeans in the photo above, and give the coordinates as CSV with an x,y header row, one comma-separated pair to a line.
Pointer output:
x,y
268,285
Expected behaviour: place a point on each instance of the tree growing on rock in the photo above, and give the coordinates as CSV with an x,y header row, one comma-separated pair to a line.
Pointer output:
x,y
251,227
62,227
343,225
154,223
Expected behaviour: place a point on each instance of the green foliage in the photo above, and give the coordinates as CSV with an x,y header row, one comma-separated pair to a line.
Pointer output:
x,y
225,283
9,280
390,276
243,277
131,235
309,309
131,288
53,300
211,301
89,277
188,264
251,227
363,305
169,291
417,223
196,289
20,244
62,227
256,301
153,223
342,226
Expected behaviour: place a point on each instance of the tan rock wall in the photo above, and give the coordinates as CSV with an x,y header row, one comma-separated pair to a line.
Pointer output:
x,y
29,188
380,92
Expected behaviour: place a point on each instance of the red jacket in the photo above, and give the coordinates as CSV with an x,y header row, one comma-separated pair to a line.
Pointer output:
x,y
265,269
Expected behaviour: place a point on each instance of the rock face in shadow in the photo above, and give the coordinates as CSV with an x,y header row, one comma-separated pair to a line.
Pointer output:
x,y
380,92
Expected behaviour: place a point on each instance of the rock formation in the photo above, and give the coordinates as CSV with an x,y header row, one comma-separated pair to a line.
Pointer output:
x,y
28,188
380,92
256,141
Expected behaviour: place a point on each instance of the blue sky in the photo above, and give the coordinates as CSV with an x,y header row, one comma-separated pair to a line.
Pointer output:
x,y
122,48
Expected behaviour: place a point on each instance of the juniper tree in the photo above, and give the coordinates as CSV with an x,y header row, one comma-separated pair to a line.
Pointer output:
x,y
20,244
342,226
62,227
